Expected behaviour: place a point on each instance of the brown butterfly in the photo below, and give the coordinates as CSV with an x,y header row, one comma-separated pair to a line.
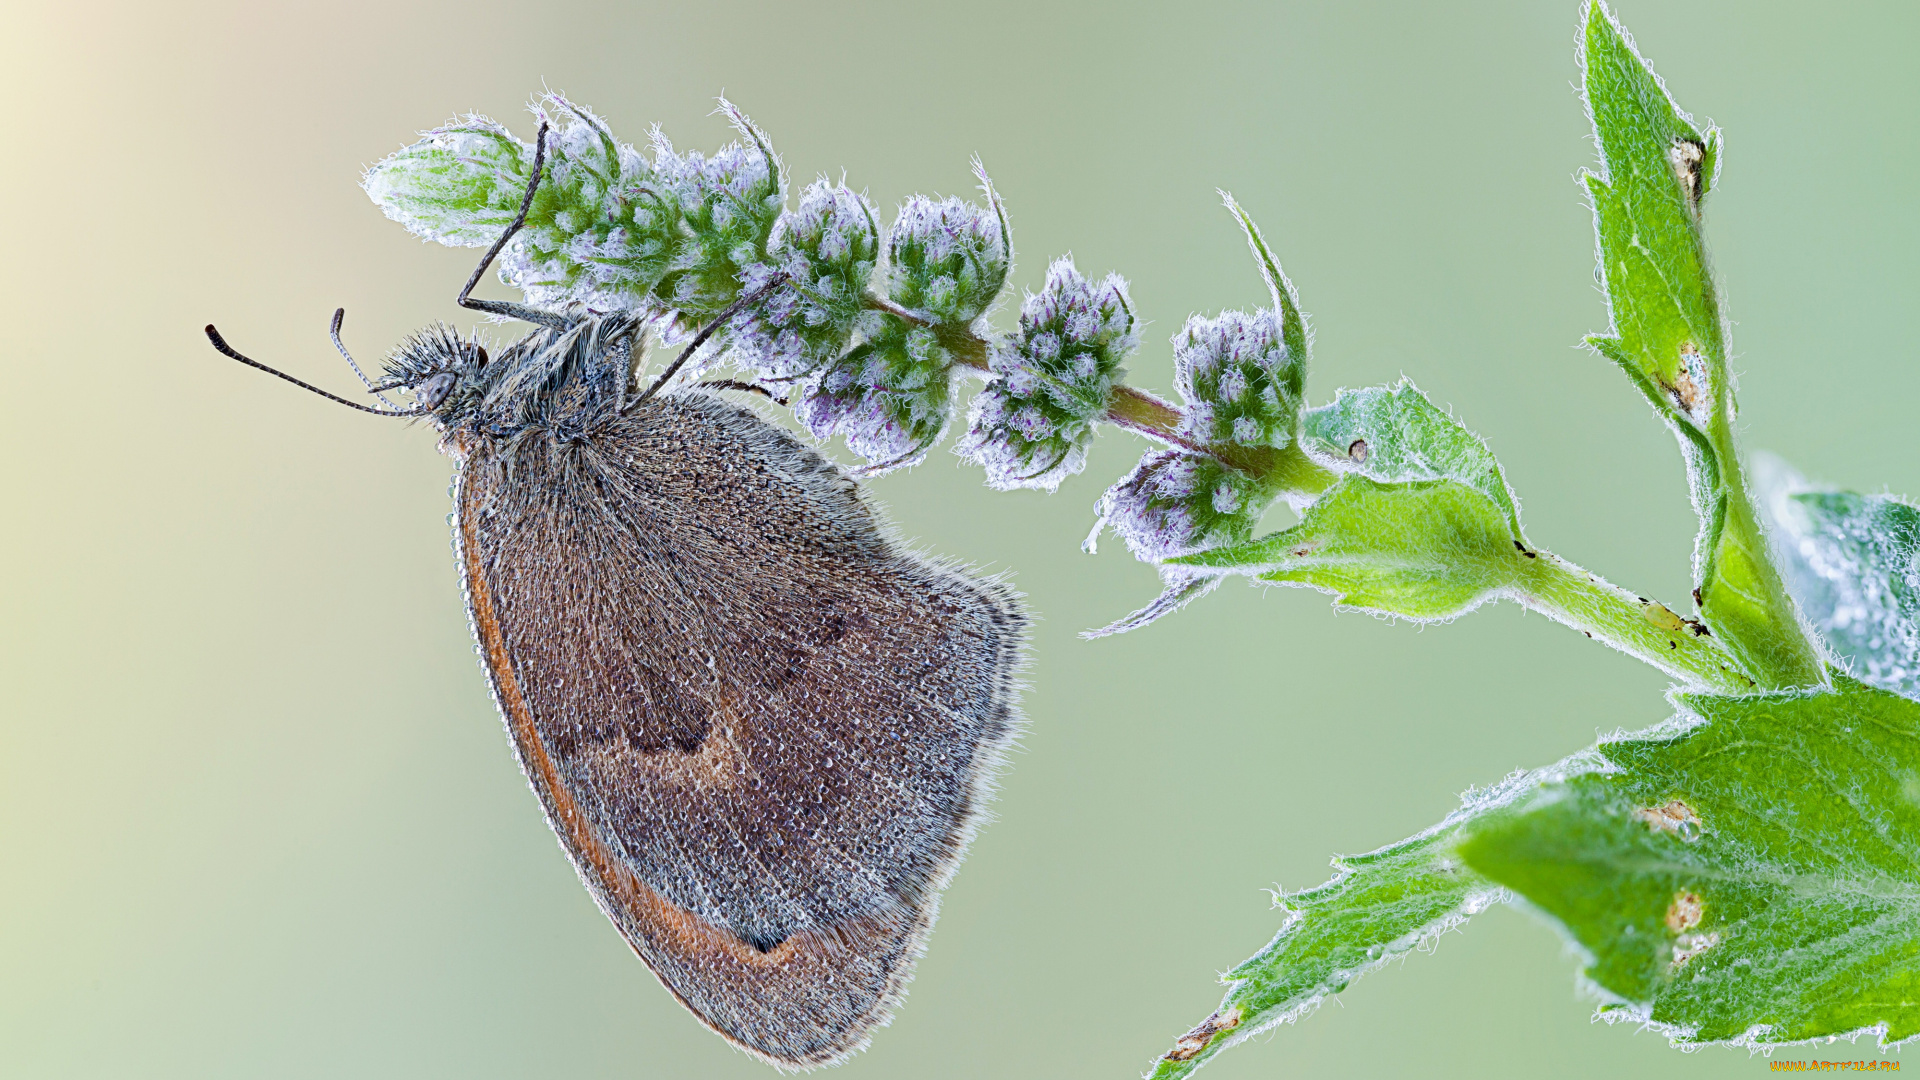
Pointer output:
x,y
761,729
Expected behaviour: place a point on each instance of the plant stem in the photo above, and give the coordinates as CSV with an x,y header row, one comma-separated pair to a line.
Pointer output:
x,y
1777,647
1641,628
1137,410
1743,592
1289,471
967,348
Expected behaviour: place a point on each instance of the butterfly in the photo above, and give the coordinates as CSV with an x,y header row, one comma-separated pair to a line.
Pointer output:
x,y
761,729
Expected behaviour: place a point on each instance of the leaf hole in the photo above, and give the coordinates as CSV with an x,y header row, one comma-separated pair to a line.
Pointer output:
x,y
1688,157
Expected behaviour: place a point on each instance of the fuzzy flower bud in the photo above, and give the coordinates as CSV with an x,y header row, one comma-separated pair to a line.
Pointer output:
x,y
1031,425
728,204
460,185
889,397
1176,502
593,234
1241,383
826,248
607,228
948,260
596,233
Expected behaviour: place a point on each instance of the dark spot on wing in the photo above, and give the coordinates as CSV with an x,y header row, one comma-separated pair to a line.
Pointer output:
x,y
762,940
666,719
787,655
642,709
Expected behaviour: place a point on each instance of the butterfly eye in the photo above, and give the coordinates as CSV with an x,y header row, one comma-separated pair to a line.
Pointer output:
x,y
479,356
428,395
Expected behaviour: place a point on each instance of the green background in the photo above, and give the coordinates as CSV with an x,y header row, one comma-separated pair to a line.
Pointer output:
x,y
257,815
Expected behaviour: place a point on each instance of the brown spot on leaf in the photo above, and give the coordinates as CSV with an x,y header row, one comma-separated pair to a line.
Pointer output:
x,y
1188,1046
1675,817
1689,389
1686,911
1357,451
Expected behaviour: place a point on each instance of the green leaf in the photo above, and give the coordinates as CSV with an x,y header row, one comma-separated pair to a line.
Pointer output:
x,y
1293,324
1658,285
1424,550
1668,337
1394,434
1423,524
1749,872
1852,562
1378,907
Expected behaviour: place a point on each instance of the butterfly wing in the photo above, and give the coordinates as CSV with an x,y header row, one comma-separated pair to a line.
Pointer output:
x,y
762,730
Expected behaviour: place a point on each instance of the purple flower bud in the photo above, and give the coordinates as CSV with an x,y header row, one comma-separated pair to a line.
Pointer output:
x,y
1175,502
889,397
1241,383
948,260
1054,375
826,247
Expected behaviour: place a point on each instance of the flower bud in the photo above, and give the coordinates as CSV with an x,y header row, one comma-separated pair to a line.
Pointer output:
x,y
1241,383
728,204
826,248
1176,502
461,185
948,260
1031,425
602,230
889,397
598,232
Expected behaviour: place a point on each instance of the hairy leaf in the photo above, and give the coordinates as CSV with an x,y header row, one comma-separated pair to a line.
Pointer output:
x,y
1422,525
1668,337
1293,324
1377,907
1852,563
1393,433
1748,873
1425,549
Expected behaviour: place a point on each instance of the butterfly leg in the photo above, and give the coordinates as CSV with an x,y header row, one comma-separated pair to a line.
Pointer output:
x,y
523,312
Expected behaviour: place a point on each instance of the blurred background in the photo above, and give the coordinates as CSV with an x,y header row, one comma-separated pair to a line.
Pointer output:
x,y
257,813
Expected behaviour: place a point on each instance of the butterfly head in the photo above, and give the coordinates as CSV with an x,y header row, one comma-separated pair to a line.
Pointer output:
x,y
445,372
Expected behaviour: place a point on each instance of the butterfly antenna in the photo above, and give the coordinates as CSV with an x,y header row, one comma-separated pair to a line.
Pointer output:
x,y
228,351
340,314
